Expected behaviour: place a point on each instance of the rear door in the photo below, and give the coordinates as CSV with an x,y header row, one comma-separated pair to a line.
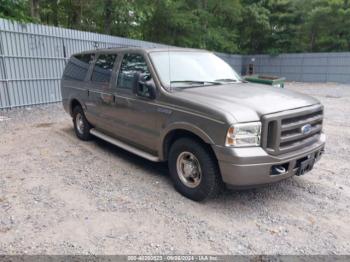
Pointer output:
x,y
101,97
74,78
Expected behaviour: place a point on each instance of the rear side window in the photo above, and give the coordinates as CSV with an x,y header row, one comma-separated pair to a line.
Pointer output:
x,y
103,68
131,64
77,67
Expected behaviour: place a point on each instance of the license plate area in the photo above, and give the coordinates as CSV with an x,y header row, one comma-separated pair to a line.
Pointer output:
x,y
305,165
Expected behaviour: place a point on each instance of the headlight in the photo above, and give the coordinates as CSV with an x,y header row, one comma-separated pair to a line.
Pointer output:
x,y
247,134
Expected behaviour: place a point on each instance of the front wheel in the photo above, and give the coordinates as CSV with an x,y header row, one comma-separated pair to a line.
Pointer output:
x,y
194,169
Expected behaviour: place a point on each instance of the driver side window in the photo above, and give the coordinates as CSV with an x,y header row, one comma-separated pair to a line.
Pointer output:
x,y
131,64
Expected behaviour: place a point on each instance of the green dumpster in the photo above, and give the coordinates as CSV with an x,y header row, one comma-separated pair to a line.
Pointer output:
x,y
274,81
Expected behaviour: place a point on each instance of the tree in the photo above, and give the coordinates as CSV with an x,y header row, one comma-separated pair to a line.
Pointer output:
x,y
108,16
34,9
15,10
255,28
234,26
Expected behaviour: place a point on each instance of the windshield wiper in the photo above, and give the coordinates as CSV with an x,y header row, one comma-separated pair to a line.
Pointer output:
x,y
226,80
199,82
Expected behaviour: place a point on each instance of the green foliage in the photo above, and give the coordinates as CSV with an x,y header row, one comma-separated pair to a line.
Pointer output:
x,y
15,10
233,26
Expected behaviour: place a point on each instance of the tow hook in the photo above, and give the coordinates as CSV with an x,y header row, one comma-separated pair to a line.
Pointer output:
x,y
278,170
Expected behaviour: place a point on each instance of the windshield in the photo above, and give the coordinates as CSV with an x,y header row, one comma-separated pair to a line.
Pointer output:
x,y
190,69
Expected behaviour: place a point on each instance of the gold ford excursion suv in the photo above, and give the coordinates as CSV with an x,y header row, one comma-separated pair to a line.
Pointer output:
x,y
190,108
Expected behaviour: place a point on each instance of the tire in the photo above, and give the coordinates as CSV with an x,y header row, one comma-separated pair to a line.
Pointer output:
x,y
82,129
209,184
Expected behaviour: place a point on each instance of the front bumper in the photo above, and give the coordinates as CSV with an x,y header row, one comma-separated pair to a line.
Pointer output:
x,y
252,166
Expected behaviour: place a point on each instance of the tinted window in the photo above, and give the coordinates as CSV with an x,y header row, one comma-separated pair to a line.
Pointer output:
x,y
78,67
103,68
131,64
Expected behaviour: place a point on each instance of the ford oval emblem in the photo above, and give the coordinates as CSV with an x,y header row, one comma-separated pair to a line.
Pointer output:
x,y
306,129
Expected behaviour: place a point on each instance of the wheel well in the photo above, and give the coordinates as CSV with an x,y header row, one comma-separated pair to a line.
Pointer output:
x,y
73,104
173,135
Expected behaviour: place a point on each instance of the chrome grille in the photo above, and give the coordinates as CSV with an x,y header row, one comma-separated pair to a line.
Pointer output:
x,y
282,132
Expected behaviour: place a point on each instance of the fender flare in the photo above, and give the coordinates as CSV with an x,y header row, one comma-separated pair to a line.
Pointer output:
x,y
71,99
181,126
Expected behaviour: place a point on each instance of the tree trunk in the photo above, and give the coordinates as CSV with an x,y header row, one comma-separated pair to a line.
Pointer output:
x,y
312,41
55,12
204,6
34,8
75,14
108,16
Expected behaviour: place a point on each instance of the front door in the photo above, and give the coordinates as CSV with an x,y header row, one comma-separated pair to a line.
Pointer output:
x,y
135,117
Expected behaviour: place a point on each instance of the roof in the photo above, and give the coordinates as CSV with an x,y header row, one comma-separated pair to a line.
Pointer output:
x,y
146,49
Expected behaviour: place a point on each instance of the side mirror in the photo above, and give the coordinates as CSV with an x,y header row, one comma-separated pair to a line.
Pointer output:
x,y
144,88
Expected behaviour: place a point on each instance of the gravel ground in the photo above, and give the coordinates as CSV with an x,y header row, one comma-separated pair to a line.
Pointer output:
x,y
59,195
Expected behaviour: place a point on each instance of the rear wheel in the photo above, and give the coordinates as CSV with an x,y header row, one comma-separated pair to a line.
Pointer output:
x,y
81,125
194,169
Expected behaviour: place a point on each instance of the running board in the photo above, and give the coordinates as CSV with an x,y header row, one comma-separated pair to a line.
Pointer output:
x,y
123,145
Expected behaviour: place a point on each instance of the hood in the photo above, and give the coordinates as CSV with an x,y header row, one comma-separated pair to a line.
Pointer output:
x,y
247,101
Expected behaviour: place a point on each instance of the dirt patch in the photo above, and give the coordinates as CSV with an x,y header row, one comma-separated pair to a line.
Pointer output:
x,y
4,118
43,125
